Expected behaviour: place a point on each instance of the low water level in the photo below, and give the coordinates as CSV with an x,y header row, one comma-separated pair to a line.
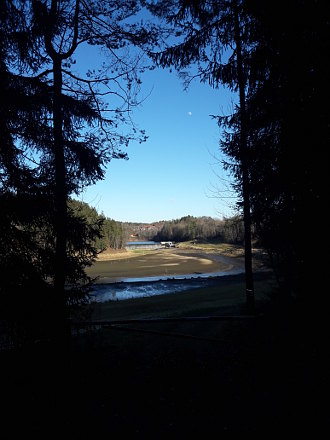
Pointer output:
x,y
150,286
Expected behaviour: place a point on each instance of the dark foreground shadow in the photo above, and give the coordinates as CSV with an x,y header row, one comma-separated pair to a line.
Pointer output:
x,y
260,376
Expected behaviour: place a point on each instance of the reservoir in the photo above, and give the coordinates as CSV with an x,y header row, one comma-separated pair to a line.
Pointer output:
x,y
122,291
151,286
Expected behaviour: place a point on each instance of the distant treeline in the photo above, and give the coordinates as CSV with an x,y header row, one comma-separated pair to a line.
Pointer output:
x,y
190,228
115,234
112,232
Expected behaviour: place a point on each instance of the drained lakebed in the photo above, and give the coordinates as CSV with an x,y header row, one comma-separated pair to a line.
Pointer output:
x,y
141,288
160,272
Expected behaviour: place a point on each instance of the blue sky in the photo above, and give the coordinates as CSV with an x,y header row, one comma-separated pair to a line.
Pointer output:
x,y
173,173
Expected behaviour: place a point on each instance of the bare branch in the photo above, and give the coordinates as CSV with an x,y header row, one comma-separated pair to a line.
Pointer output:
x,y
70,52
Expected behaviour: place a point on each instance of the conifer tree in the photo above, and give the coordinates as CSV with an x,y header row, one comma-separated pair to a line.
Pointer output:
x,y
217,41
288,134
60,127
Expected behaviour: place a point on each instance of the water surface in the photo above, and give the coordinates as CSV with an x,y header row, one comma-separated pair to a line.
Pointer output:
x,y
130,288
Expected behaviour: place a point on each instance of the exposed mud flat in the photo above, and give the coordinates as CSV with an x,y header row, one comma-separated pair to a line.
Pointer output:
x,y
163,264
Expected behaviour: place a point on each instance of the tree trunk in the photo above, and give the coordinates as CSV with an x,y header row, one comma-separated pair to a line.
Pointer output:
x,y
244,164
60,200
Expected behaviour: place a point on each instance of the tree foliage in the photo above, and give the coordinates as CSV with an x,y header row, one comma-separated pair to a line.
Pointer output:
x,y
285,65
217,39
59,130
188,228
115,234
287,133
111,233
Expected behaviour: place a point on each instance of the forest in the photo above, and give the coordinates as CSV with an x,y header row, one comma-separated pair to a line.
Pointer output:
x,y
115,234
245,355
58,135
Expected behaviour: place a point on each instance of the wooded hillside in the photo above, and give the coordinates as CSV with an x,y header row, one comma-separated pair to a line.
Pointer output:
x,y
115,234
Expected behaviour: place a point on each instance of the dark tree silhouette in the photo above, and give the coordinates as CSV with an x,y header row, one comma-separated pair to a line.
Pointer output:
x,y
24,191
286,71
276,56
287,134
215,38
65,26
58,131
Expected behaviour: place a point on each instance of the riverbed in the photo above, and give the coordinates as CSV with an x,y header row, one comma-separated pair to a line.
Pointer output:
x,y
159,272
164,264
150,286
